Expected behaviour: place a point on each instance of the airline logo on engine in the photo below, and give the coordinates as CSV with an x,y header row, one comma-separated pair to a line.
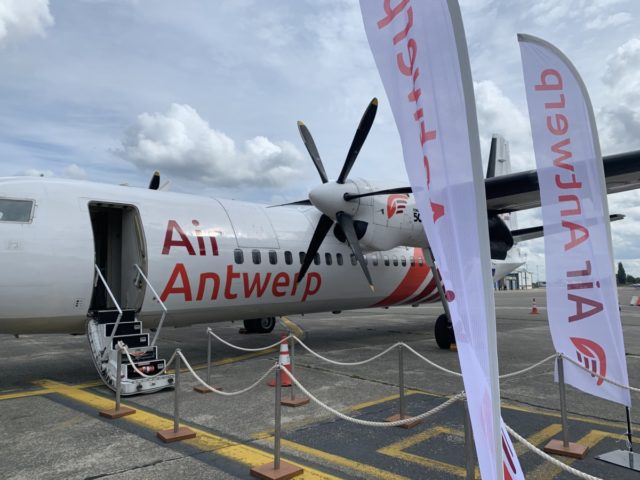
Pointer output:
x,y
396,204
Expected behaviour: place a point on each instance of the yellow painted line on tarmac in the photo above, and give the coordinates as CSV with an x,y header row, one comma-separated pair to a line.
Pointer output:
x,y
368,470
371,403
396,450
548,470
27,393
204,441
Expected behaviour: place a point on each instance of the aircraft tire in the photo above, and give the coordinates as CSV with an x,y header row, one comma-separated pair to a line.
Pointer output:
x,y
260,325
444,332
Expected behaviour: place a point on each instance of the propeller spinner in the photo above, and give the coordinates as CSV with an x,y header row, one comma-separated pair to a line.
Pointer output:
x,y
332,198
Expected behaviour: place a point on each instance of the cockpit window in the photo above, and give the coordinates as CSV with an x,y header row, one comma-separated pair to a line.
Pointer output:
x,y
15,210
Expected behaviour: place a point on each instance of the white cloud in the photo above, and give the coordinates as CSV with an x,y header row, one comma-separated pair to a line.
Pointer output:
x,y
35,172
182,143
24,18
75,172
619,119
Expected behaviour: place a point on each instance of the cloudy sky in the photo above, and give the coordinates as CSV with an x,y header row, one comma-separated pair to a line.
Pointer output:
x,y
209,92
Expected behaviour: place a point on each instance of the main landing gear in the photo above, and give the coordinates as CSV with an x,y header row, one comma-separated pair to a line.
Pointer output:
x,y
444,332
260,325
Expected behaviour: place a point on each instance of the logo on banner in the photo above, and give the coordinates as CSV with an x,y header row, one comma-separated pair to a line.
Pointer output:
x,y
592,356
509,464
396,204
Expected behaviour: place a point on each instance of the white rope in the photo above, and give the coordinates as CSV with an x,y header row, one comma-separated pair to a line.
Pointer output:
x,y
525,370
549,458
368,423
220,392
594,374
125,349
433,364
210,332
345,364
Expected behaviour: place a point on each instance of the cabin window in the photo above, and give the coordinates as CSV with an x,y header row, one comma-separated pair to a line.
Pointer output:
x,y
255,255
412,259
386,260
288,257
374,259
19,211
327,258
403,261
339,259
316,259
354,261
395,261
238,256
273,257
302,254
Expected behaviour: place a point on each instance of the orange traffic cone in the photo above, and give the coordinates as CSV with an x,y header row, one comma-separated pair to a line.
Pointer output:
x,y
534,308
285,363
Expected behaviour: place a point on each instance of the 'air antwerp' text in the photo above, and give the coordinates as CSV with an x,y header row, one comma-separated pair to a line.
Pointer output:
x,y
237,284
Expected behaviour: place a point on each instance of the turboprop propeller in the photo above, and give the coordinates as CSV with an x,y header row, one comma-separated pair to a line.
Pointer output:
x,y
331,197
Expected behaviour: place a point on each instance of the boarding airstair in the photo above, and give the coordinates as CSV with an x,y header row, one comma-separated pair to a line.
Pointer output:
x,y
106,328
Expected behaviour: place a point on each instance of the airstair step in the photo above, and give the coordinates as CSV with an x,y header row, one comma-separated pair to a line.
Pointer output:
x,y
111,316
149,368
126,328
145,354
131,341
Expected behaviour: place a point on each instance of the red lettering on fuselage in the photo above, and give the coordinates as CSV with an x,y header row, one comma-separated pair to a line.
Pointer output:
x,y
173,228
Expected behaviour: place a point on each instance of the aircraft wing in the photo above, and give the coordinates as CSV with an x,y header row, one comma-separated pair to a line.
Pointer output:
x,y
520,191
530,233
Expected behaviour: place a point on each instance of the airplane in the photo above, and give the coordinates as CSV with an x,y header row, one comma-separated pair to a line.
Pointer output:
x,y
83,257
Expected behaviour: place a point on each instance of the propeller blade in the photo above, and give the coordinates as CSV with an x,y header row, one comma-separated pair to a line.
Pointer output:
x,y
388,191
322,228
491,167
359,138
346,222
313,150
299,202
155,181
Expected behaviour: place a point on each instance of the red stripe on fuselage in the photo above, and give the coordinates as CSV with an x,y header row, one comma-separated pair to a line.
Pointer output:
x,y
409,284
426,292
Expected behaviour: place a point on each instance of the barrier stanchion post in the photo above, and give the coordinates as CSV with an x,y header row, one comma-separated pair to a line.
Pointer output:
x,y
293,400
469,449
278,470
401,394
564,447
176,433
202,388
119,410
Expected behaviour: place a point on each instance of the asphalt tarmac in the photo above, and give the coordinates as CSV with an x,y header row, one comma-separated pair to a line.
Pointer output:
x,y
50,396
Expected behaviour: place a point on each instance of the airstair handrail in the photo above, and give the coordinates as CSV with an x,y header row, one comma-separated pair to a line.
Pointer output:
x,y
164,308
113,299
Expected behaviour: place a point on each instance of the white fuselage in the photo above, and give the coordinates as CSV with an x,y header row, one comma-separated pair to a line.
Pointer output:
x,y
209,260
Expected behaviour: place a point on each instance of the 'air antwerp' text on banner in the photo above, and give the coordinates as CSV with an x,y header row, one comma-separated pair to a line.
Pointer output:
x,y
421,54
582,300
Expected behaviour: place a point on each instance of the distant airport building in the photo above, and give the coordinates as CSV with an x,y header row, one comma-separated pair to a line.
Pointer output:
x,y
517,280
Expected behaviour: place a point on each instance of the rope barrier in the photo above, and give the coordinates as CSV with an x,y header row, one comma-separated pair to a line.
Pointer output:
x,y
433,364
369,423
549,458
525,370
594,374
219,392
210,332
125,349
345,364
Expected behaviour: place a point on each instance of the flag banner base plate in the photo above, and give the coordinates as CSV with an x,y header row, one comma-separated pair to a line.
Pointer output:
x,y
396,417
573,450
285,472
169,436
294,402
113,413
201,389
622,458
